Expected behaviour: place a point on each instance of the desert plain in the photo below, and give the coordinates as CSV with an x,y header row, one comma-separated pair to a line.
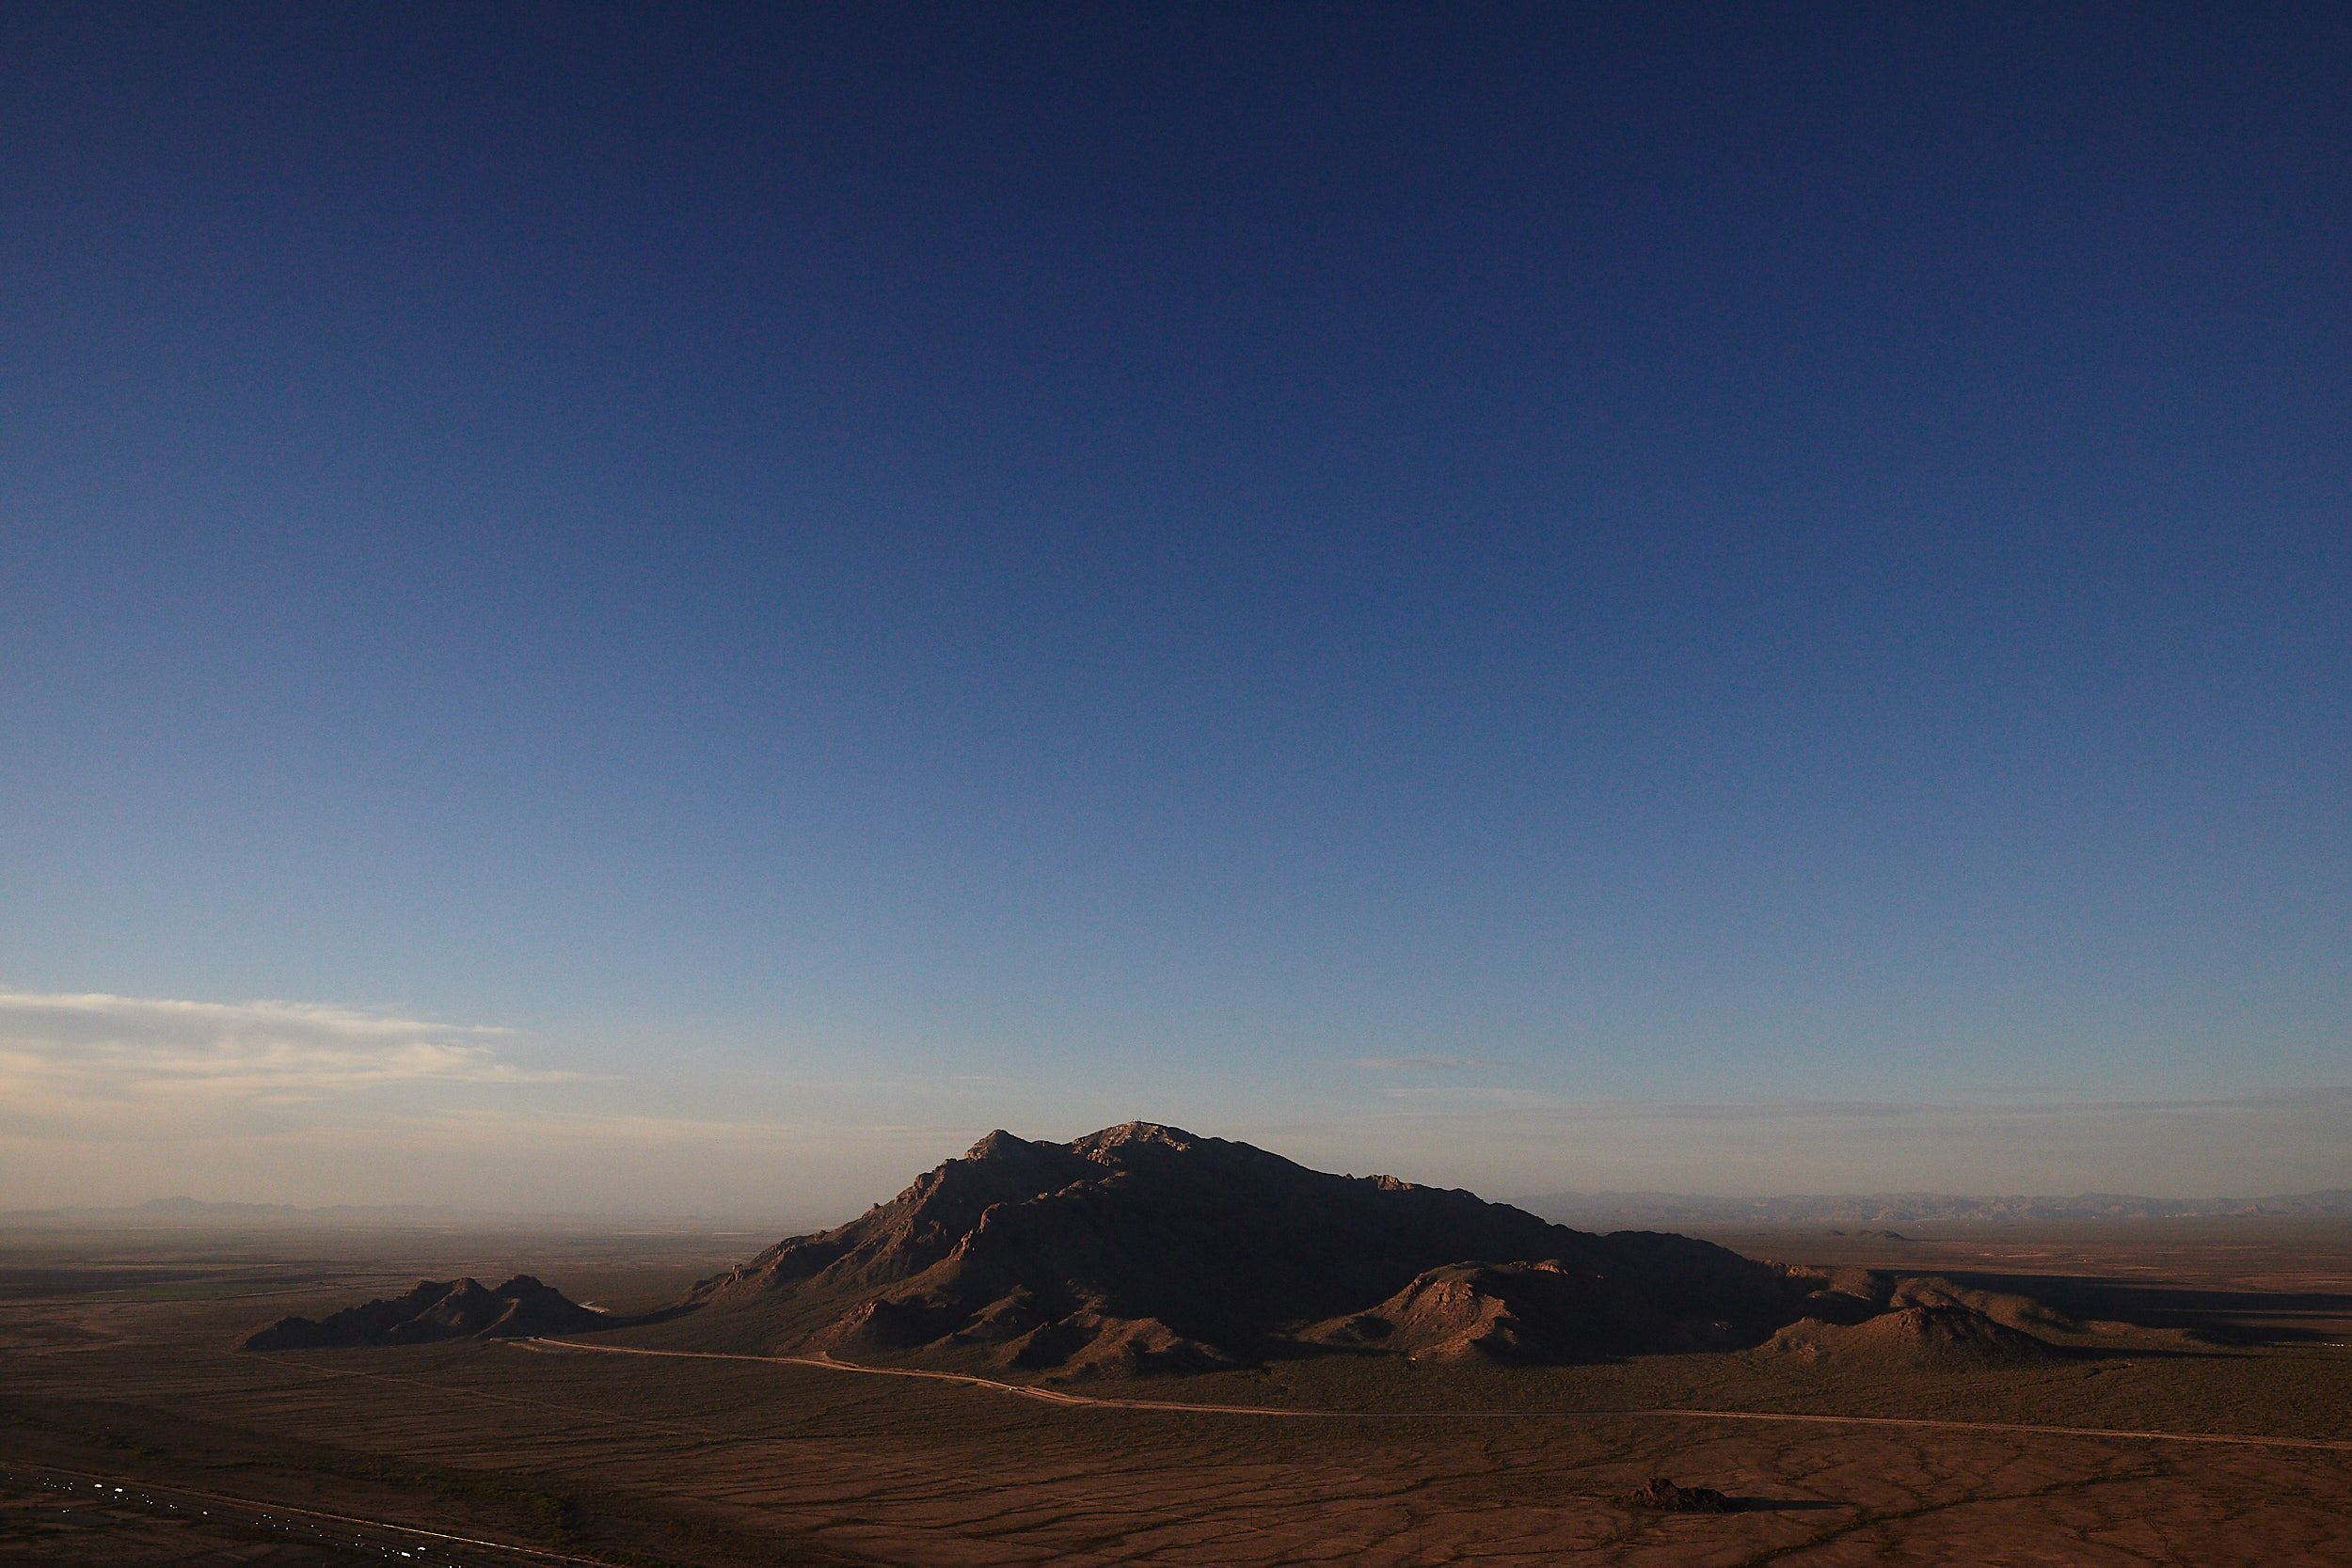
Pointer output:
x,y
2211,1422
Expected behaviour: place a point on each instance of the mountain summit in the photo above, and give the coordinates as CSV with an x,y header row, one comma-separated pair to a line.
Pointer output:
x,y
1145,1247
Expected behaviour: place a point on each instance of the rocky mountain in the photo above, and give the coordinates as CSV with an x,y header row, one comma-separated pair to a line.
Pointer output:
x,y
1867,1317
1145,1247
1924,1336
437,1310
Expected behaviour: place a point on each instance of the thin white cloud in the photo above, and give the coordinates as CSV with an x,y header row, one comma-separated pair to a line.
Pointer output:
x,y
71,1056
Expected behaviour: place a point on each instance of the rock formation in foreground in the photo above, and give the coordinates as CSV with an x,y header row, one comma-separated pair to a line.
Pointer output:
x,y
437,1310
1929,1337
1659,1495
1145,1248
1864,1318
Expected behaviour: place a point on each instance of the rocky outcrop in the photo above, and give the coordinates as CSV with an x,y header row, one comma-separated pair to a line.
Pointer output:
x,y
1659,1495
437,1310
1947,1338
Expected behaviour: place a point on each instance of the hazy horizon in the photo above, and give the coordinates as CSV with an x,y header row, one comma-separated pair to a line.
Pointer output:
x,y
280,1103
695,609
821,1215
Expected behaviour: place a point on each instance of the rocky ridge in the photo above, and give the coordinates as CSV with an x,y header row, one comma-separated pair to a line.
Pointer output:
x,y
437,1310
1144,1248
1148,1249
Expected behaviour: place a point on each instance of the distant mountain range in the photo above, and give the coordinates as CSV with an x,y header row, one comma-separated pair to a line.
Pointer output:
x,y
1603,1210
1624,1209
188,1213
195,1214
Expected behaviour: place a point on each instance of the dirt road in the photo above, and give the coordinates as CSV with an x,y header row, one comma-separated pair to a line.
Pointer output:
x,y
1056,1395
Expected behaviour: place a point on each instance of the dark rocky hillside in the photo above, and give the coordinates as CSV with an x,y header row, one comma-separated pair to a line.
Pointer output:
x,y
1146,1247
437,1310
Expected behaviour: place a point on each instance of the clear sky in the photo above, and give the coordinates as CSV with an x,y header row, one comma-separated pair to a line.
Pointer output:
x,y
675,608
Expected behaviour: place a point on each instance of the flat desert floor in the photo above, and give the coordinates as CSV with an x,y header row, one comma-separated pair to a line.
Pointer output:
x,y
2216,1429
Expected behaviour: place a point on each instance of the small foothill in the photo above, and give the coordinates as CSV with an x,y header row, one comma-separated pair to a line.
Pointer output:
x,y
1664,1496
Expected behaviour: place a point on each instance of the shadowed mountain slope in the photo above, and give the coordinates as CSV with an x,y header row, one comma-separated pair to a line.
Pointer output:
x,y
437,1310
1145,1247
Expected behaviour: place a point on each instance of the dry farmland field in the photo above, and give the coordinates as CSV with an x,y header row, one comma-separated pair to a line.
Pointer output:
x,y
2210,1423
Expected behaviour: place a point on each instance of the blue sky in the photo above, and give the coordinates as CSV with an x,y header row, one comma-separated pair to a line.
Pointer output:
x,y
696,610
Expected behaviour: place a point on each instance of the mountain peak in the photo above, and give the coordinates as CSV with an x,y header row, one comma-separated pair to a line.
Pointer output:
x,y
996,1145
1129,1133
